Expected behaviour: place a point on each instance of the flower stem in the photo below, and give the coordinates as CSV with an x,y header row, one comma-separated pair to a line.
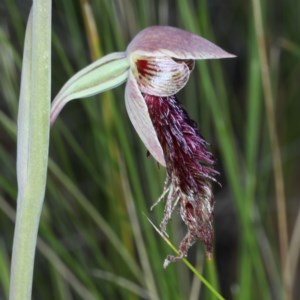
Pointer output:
x,y
33,145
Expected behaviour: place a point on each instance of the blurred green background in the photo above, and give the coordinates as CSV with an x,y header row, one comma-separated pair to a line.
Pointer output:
x,y
95,241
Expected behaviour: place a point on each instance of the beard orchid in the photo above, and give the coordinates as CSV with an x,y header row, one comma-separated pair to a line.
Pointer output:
x,y
157,65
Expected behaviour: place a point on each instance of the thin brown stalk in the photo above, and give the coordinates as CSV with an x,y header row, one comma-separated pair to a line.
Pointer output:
x,y
277,167
91,30
136,227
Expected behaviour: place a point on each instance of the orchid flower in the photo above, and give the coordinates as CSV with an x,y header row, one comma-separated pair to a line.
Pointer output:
x,y
157,65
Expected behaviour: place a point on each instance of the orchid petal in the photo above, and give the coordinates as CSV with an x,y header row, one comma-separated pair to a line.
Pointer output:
x,y
140,119
160,76
174,42
103,74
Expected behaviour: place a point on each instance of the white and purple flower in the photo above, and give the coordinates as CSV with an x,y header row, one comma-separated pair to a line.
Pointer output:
x,y
157,65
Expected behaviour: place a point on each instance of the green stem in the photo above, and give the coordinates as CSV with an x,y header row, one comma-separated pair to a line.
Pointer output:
x,y
33,145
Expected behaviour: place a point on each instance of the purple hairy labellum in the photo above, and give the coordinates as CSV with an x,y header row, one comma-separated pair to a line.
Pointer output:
x,y
190,171
156,66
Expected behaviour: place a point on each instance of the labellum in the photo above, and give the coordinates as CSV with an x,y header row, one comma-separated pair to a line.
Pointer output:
x,y
189,171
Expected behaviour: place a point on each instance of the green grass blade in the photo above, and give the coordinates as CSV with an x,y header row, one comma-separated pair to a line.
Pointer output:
x,y
33,144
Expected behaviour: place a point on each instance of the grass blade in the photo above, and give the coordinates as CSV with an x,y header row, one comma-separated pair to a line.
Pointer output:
x,y
33,144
